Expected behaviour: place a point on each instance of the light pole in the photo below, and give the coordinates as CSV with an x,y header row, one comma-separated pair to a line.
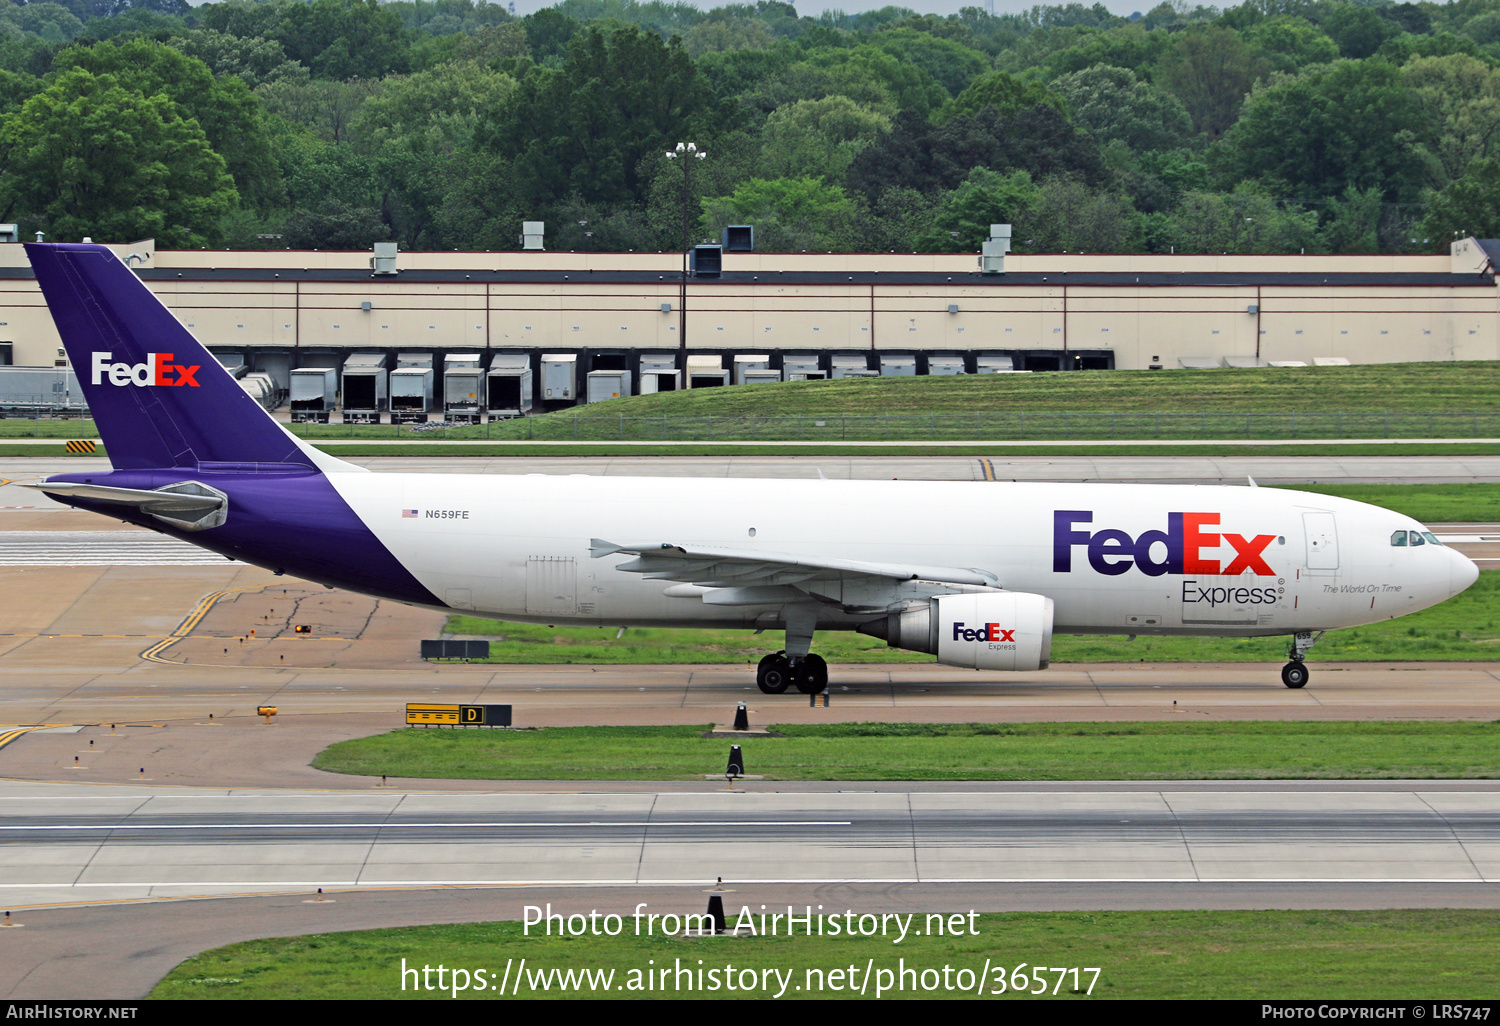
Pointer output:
x,y
689,152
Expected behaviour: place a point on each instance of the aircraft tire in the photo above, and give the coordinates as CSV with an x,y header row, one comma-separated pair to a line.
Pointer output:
x,y
774,674
1294,675
814,675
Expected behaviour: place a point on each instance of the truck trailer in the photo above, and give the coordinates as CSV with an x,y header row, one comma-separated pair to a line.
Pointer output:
x,y
366,388
508,386
315,393
463,394
411,388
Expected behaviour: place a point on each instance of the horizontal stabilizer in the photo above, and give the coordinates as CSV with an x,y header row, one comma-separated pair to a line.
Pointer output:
x,y
187,505
144,498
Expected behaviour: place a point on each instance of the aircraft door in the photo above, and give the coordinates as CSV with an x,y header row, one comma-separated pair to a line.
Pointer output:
x,y
1322,541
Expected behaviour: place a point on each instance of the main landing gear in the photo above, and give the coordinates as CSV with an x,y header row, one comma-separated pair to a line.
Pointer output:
x,y
1294,674
778,671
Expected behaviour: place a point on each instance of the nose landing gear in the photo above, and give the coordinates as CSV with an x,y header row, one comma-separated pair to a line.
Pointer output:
x,y
1294,674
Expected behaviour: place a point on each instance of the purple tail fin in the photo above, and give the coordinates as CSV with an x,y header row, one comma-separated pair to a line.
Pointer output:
x,y
159,398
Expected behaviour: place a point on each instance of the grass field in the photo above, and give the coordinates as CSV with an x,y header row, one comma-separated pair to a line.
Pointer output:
x,y
1439,954
1187,749
1465,628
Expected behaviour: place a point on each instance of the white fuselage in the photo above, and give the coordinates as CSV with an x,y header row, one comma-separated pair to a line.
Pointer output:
x,y
517,547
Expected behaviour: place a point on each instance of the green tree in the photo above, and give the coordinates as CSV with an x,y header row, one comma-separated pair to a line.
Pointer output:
x,y
1068,216
1459,98
1352,224
228,113
88,157
951,64
251,60
1211,70
963,217
584,127
789,214
1468,206
718,35
1358,31
1347,123
1113,104
1289,44
438,110
1244,221
818,136
1005,93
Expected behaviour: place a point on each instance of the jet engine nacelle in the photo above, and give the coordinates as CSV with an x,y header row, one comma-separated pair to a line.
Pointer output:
x,y
1005,630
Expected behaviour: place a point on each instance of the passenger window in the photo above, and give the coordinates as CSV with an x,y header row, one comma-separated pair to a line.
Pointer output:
x,y
1431,537
1399,539
1416,538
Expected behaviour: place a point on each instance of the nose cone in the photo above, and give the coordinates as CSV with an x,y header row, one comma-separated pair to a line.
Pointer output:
x,y
1463,573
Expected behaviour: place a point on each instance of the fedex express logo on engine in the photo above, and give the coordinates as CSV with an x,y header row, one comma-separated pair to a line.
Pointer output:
x,y
1181,547
157,370
988,632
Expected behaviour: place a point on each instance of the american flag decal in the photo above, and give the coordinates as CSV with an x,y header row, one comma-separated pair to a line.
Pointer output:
x,y
408,514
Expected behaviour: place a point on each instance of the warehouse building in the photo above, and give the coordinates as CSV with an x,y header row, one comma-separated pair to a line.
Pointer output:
x,y
571,327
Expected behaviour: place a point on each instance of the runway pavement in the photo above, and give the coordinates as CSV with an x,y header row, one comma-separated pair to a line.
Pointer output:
x,y
73,843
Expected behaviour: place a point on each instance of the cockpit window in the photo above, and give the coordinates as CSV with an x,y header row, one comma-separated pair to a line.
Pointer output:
x,y
1416,538
1431,537
1399,539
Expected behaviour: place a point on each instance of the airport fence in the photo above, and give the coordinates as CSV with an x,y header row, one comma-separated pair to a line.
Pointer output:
x,y
1019,427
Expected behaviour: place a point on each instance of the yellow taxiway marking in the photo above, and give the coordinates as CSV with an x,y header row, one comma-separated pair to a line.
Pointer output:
x,y
10,732
988,468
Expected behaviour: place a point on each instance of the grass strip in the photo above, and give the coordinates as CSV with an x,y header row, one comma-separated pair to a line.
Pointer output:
x,y
1438,954
1164,750
438,449
1466,628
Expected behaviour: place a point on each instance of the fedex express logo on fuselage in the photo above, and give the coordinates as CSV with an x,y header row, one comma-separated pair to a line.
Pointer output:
x,y
1182,544
158,370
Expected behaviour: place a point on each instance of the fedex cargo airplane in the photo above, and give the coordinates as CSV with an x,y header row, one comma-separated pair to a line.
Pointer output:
x,y
979,574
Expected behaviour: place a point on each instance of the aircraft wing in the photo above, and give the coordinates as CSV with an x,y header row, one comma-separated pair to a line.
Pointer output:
x,y
714,567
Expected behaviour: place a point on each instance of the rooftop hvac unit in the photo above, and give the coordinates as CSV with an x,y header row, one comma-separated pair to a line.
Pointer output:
x,y
739,238
992,252
10,233
707,261
384,260
531,234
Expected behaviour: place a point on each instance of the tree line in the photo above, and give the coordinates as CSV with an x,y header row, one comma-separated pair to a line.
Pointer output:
x,y
1273,126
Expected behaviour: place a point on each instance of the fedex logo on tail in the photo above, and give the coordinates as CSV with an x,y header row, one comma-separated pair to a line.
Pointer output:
x,y
1182,546
158,370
